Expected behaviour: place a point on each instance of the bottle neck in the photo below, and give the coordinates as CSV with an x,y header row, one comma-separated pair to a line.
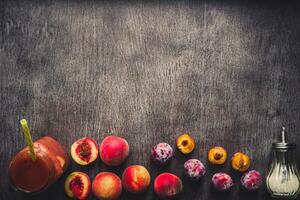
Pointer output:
x,y
283,156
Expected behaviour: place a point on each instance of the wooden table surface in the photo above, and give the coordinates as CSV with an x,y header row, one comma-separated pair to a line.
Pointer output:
x,y
226,72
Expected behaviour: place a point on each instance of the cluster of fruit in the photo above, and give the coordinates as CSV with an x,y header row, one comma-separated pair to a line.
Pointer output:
x,y
114,150
106,185
240,162
195,169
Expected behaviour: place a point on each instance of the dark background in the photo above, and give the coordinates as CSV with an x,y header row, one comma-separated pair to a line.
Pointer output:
x,y
227,72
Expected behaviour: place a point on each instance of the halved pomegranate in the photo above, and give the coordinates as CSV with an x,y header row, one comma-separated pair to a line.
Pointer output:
x,y
84,151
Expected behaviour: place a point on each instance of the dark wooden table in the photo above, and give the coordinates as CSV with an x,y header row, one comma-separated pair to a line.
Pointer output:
x,y
227,72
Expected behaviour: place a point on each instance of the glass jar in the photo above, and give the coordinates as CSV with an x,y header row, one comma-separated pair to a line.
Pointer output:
x,y
283,178
31,176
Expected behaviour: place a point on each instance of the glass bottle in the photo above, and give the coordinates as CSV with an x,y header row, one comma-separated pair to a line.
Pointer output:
x,y
283,180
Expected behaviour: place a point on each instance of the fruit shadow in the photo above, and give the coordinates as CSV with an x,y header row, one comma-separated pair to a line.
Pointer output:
x,y
248,195
130,196
192,185
154,196
159,167
48,193
219,195
236,176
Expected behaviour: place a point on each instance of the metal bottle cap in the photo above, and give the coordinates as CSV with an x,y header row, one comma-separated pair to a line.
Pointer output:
x,y
283,144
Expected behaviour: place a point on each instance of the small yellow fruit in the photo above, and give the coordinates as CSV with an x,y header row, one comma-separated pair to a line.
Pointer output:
x,y
217,155
240,162
185,143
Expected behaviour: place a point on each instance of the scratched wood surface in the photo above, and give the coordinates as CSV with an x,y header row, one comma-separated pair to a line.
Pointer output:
x,y
227,72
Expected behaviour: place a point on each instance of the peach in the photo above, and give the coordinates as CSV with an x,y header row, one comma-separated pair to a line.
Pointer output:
x,y
167,186
136,179
78,185
185,143
240,162
217,155
107,186
84,151
113,150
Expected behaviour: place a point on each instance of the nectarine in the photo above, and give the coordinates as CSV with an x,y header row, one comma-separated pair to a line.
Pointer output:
x,y
167,185
107,186
84,151
113,150
78,185
136,179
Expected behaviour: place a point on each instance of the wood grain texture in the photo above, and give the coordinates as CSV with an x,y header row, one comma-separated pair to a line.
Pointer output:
x,y
227,72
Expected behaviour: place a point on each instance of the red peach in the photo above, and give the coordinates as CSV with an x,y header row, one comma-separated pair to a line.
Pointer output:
x,y
136,179
167,185
113,150
107,186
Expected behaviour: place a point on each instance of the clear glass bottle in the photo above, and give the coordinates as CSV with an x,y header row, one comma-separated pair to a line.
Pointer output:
x,y
283,180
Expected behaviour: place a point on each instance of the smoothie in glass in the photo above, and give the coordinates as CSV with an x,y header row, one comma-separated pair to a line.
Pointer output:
x,y
34,176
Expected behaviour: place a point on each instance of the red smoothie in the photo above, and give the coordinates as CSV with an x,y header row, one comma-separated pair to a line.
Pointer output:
x,y
34,176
